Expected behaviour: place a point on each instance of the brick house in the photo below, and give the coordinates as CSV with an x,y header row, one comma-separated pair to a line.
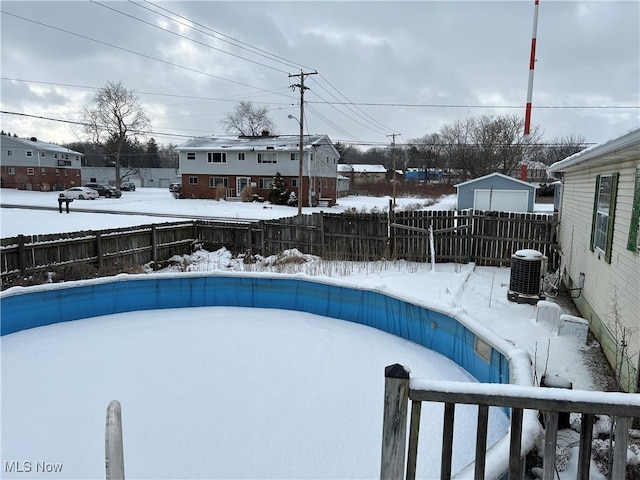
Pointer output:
x,y
29,164
249,163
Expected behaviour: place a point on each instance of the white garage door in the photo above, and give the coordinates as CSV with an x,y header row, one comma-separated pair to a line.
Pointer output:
x,y
501,200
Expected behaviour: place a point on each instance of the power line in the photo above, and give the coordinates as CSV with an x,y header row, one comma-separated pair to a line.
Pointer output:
x,y
221,36
185,37
131,51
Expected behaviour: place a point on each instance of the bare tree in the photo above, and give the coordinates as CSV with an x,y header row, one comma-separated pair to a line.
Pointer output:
x,y
487,144
560,148
246,119
115,116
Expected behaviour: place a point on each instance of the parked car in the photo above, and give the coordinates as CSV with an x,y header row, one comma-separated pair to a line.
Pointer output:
x,y
175,187
104,190
128,186
79,193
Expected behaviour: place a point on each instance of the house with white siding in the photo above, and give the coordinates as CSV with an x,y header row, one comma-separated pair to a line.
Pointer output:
x,y
250,163
600,246
361,174
30,164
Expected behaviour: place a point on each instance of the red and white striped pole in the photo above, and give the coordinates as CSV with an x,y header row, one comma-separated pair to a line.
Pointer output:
x,y
532,63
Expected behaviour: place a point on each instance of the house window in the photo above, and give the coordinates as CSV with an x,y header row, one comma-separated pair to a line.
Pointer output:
x,y
311,157
634,231
267,157
9,153
11,171
43,171
29,153
30,171
265,183
55,155
218,182
217,157
42,154
191,155
603,214
66,157
295,156
240,155
57,171
193,180
294,182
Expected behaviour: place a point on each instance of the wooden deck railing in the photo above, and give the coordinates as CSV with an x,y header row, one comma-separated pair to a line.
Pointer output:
x,y
400,388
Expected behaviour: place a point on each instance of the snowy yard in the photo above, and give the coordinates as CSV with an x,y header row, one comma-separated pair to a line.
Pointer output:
x,y
176,373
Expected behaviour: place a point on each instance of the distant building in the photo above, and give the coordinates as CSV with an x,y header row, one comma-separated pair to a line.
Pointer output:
x,y
496,192
29,164
360,174
141,177
208,164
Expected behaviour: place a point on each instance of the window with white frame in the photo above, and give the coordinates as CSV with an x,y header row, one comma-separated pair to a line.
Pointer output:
x,y
603,214
30,171
42,154
294,182
43,171
241,156
267,157
9,153
191,155
217,157
11,171
218,182
29,153
265,183
57,171
295,156
55,155
193,180
633,242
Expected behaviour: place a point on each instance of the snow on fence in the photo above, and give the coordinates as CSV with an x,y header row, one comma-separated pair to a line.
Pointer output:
x,y
398,458
486,238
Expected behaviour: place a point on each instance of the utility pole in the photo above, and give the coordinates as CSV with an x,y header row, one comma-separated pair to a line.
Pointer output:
x,y
301,122
393,153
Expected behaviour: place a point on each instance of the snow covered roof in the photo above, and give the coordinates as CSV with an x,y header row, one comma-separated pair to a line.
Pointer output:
x,y
361,168
619,148
495,174
38,145
262,142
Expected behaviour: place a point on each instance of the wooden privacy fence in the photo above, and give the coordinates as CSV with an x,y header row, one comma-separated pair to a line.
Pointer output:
x,y
486,238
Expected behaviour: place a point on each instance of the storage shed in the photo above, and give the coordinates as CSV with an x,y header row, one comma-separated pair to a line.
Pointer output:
x,y
496,192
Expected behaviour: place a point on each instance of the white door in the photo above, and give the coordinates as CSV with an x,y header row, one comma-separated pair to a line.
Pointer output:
x,y
501,200
241,182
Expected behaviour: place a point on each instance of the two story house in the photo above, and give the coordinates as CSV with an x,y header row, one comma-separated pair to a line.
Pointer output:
x,y
250,163
29,164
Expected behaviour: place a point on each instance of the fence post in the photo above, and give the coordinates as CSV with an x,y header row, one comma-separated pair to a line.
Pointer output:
x,y
154,244
22,258
99,249
114,449
394,423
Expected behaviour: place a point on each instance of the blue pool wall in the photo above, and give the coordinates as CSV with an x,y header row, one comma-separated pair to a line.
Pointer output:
x,y
29,307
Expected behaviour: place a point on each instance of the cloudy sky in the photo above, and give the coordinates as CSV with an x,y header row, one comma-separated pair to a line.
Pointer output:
x,y
383,67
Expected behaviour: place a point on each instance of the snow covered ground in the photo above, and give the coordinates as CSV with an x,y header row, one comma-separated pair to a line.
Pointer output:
x,y
480,291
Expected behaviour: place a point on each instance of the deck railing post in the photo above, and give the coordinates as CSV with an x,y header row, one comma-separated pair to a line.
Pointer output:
x,y
114,450
394,424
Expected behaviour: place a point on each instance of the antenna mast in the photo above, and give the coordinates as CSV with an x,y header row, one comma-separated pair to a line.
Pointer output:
x,y
532,62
